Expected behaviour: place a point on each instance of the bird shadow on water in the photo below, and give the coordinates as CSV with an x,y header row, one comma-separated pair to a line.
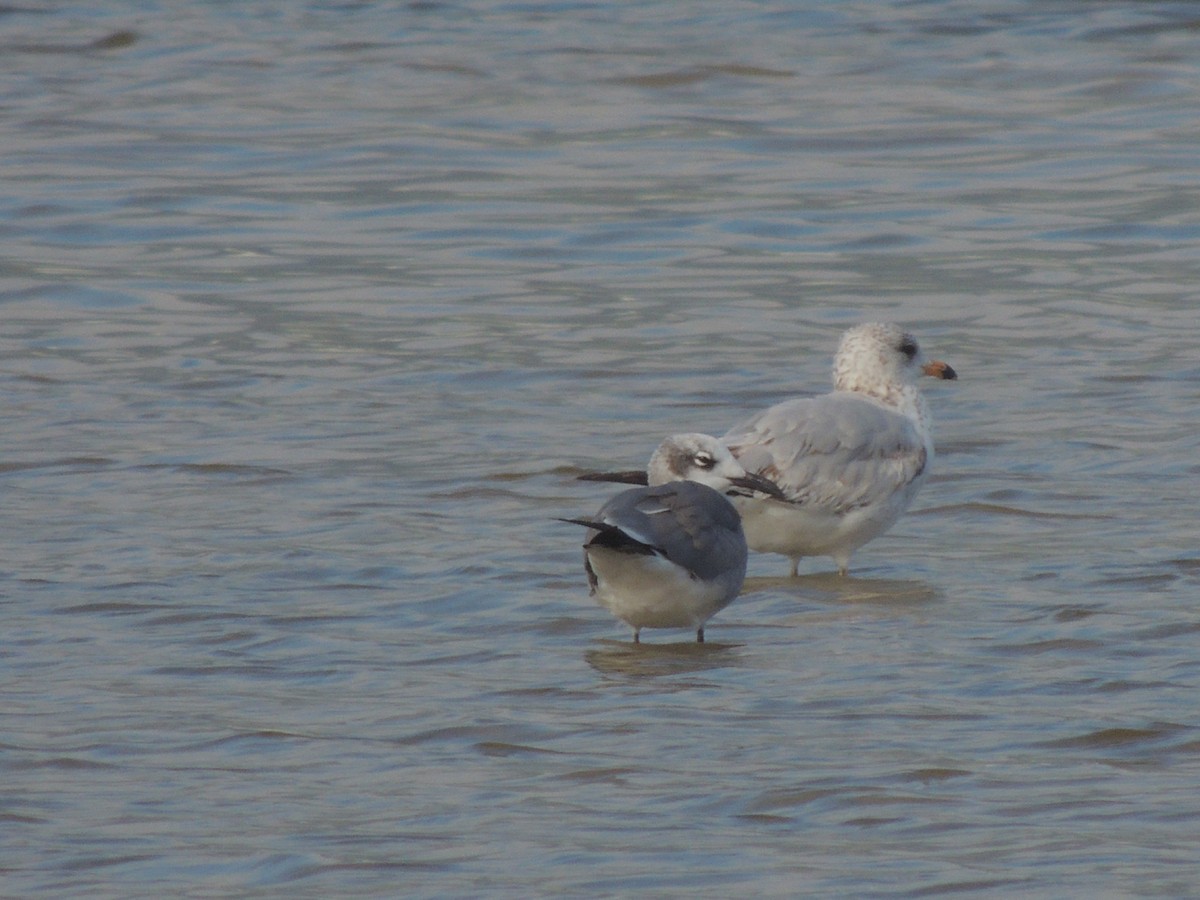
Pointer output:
x,y
646,659
829,587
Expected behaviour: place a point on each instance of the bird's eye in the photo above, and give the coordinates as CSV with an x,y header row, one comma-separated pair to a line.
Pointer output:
x,y
908,347
705,460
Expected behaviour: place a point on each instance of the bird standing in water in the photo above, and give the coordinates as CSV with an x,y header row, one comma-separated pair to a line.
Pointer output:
x,y
672,554
849,462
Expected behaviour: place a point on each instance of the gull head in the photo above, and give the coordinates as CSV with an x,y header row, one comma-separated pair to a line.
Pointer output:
x,y
880,358
704,459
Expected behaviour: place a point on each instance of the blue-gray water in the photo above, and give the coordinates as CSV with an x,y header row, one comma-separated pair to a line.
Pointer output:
x,y
312,313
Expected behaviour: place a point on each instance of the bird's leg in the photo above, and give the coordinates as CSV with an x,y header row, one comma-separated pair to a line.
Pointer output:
x,y
795,567
700,635
637,635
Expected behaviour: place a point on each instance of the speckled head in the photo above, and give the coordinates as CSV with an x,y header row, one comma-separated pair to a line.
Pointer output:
x,y
879,359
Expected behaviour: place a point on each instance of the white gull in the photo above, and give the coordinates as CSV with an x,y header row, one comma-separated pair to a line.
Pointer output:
x,y
850,462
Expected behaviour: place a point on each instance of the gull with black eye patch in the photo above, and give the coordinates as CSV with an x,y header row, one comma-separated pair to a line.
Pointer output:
x,y
672,554
850,462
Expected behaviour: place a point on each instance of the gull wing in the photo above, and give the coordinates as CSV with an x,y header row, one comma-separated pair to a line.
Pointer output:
x,y
838,452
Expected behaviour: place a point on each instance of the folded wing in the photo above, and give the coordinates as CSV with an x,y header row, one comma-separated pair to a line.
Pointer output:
x,y
688,523
838,452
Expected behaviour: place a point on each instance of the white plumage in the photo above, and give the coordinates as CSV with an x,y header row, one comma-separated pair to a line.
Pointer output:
x,y
850,462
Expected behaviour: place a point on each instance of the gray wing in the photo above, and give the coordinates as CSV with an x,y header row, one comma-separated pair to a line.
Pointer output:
x,y
691,524
837,451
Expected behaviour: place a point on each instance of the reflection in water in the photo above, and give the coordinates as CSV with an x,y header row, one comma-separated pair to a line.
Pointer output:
x,y
829,587
621,658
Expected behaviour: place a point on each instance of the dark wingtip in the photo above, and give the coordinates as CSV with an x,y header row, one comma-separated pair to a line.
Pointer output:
x,y
586,523
759,484
637,476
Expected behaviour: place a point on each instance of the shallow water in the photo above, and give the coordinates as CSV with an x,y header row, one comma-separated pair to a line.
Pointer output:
x,y
313,314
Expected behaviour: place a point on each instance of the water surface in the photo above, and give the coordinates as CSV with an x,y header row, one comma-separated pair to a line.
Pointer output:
x,y
313,314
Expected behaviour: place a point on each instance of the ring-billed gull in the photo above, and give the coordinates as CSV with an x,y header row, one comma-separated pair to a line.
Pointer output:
x,y
849,462
673,554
